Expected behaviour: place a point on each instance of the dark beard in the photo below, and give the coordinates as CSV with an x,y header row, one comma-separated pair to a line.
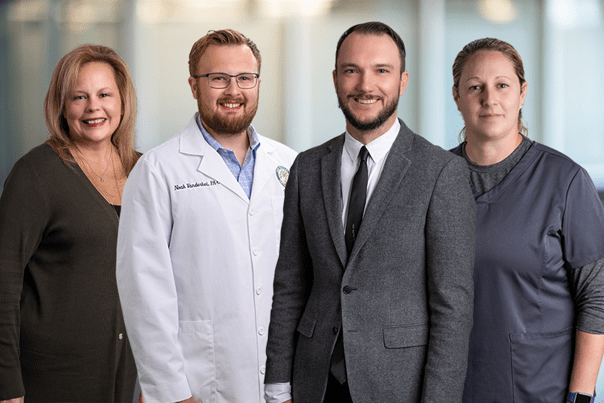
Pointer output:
x,y
227,126
383,116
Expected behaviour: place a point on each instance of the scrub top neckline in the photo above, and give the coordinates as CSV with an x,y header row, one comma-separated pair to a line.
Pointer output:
x,y
514,175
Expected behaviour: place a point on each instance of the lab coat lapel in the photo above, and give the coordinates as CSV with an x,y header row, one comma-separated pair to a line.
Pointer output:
x,y
212,164
331,173
264,168
395,167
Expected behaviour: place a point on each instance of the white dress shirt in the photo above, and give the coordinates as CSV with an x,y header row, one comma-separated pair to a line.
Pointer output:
x,y
378,151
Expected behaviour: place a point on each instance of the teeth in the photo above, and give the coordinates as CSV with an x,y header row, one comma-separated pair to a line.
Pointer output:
x,y
232,105
94,121
366,101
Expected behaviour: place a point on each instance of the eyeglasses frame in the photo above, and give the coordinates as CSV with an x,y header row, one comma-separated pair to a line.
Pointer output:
x,y
257,75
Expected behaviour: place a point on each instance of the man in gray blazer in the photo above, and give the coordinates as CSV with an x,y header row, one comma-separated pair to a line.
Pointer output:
x,y
373,287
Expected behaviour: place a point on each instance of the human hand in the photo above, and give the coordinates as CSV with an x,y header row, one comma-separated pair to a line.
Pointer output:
x,y
15,400
190,400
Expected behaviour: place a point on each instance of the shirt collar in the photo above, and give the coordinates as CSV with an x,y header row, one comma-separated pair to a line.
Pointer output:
x,y
251,134
378,148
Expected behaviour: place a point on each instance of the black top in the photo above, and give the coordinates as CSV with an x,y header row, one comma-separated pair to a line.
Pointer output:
x,y
62,334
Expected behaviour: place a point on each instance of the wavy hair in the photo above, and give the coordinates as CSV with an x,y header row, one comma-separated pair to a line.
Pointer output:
x,y
62,83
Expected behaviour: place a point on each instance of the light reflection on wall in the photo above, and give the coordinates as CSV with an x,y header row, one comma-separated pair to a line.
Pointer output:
x,y
298,37
569,14
498,11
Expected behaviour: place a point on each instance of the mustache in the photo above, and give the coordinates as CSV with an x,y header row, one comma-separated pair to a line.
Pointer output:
x,y
363,95
226,100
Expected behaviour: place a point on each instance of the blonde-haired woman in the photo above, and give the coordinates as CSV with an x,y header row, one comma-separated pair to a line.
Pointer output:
x,y
62,335
539,264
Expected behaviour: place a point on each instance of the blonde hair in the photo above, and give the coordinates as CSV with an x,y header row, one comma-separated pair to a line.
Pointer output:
x,y
496,45
225,37
64,78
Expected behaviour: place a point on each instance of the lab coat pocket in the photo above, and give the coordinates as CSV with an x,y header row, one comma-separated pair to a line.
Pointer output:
x,y
197,341
541,364
406,336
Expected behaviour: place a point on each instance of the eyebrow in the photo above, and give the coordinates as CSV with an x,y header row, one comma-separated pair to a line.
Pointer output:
x,y
496,78
100,90
378,65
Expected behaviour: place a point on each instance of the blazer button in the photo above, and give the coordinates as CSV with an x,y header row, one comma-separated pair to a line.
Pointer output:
x,y
347,289
335,330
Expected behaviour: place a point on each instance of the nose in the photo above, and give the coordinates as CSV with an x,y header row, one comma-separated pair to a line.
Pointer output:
x,y
232,87
365,82
488,97
93,104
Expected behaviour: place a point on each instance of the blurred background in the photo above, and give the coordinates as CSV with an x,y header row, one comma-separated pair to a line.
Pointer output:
x,y
560,41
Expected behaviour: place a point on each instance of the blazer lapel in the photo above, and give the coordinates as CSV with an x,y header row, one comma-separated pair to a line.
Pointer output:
x,y
331,173
395,167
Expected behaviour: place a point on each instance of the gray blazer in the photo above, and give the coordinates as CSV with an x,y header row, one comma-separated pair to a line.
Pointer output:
x,y
403,298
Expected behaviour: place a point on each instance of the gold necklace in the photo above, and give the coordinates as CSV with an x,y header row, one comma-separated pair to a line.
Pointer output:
x,y
117,187
89,167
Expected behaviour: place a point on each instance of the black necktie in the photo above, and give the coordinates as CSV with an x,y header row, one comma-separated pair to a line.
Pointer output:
x,y
356,204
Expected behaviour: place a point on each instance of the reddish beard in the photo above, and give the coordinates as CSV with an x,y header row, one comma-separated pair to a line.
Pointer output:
x,y
227,125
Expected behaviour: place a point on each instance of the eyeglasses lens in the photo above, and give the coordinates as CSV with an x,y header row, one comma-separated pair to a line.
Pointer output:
x,y
244,80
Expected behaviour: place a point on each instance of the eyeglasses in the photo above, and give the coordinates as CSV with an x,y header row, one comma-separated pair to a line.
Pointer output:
x,y
245,81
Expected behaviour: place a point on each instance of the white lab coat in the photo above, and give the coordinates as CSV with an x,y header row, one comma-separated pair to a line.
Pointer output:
x,y
195,264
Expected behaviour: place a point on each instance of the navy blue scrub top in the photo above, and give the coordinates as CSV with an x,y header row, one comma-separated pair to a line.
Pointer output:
x,y
543,219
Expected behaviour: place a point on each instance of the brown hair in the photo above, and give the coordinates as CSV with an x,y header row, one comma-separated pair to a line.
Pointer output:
x,y
374,28
64,79
496,45
225,37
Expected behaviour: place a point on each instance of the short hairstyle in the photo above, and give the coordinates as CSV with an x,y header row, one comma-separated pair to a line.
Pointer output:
x,y
374,28
495,45
224,37
62,83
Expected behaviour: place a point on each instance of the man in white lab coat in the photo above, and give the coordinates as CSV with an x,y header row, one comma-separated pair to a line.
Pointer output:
x,y
199,237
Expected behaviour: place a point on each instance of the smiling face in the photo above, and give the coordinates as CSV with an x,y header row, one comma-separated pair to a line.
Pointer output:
x,y
227,111
489,96
93,109
368,83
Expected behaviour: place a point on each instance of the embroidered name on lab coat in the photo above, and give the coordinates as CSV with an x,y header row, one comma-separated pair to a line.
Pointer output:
x,y
195,185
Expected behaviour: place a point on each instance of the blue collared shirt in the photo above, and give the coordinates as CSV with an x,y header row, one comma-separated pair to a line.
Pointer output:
x,y
244,174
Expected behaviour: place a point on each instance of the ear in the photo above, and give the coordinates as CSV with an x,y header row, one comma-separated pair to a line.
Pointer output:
x,y
194,87
335,79
523,91
455,92
404,82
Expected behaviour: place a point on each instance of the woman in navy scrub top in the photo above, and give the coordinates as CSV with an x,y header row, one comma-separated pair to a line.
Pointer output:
x,y
539,269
